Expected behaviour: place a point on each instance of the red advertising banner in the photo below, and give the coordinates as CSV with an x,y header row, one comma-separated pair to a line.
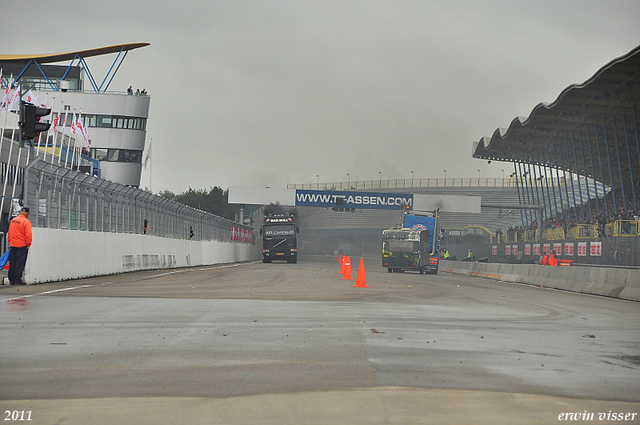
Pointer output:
x,y
494,250
582,249
596,249
240,234
568,249
514,250
527,249
536,249
547,248
507,250
557,247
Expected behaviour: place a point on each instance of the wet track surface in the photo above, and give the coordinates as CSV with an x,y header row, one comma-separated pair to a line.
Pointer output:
x,y
224,337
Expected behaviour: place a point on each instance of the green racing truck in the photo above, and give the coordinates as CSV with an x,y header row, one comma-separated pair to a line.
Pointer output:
x,y
411,248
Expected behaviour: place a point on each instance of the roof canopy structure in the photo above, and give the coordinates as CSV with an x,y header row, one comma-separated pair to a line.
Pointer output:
x,y
40,59
590,130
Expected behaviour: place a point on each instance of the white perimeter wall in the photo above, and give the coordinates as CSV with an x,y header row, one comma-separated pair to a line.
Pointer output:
x,y
58,254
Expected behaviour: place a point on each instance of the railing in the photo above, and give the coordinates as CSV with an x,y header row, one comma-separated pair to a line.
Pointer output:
x,y
622,228
583,231
67,199
556,234
404,183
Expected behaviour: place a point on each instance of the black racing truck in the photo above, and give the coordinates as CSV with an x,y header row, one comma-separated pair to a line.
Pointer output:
x,y
279,238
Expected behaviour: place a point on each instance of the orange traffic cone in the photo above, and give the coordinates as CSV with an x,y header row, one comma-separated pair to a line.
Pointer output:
x,y
361,280
347,269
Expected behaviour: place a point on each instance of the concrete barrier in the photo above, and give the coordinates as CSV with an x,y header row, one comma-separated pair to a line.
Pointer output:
x,y
58,254
606,281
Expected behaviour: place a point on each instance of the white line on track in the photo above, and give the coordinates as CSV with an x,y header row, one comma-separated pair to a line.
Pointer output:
x,y
71,288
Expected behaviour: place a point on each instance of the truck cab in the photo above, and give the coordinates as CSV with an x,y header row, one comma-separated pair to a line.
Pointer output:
x,y
279,238
408,249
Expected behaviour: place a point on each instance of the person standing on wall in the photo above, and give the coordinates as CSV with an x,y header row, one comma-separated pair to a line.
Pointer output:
x,y
19,237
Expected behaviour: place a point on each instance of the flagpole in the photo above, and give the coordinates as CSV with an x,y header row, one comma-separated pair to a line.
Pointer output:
x,y
3,108
148,159
6,175
73,137
79,148
150,166
15,175
46,142
64,127
40,135
55,133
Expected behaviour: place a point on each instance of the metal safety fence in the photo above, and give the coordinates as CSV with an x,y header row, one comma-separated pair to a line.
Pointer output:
x,y
67,199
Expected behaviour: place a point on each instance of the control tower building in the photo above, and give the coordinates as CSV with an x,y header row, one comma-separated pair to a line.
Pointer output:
x,y
116,120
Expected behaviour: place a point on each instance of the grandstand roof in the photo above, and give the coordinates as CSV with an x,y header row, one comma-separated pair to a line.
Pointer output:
x,y
61,57
576,122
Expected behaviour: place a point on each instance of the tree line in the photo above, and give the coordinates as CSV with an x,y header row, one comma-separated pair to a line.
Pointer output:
x,y
214,201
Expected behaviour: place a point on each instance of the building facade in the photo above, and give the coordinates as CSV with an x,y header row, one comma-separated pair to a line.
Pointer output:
x,y
116,120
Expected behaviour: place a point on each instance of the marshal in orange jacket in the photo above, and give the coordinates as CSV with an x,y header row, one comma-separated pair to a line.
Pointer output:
x,y
19,234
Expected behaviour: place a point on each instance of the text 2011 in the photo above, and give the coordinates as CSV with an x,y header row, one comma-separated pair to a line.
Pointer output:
x,y
17,415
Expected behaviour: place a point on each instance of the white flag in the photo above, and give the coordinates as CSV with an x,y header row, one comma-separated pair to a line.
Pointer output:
x,y
31,98
83,131
74,124
148,156
14,98
3,105
56,121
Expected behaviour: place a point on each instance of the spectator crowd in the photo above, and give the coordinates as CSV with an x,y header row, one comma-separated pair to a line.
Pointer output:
x,y
593,211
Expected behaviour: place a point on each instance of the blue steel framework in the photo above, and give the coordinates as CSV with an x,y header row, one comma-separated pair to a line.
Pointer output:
x,y
121,51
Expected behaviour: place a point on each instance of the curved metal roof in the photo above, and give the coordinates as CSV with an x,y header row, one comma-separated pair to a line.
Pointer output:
x,y
576,123
61,57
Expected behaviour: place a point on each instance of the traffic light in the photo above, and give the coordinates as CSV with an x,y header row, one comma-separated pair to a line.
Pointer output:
x,y
31,124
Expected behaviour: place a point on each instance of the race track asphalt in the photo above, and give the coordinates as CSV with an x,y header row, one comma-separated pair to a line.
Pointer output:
x,y
279,343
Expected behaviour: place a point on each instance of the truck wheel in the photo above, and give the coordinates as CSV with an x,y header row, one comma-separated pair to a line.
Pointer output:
x,y
421,270
266,260
390,270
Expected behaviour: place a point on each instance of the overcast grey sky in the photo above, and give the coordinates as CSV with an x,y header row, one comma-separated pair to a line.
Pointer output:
x,y
266,93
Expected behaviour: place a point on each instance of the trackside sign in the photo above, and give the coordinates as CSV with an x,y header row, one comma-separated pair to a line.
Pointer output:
x,y
327,198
